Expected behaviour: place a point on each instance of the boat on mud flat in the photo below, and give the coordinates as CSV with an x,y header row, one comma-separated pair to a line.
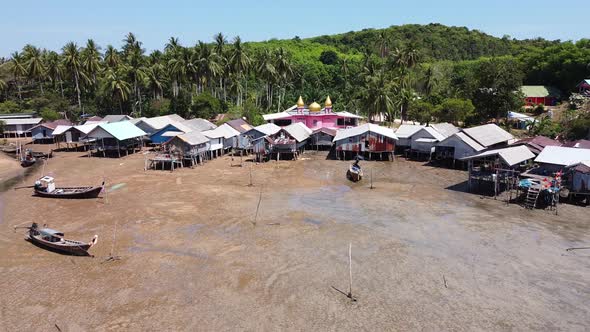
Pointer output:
x,y
10,148
45,187
54,240
355,172
28,159
42,154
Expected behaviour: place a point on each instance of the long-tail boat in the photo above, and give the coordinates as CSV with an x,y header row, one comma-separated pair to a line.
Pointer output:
x,y
45,187
54,240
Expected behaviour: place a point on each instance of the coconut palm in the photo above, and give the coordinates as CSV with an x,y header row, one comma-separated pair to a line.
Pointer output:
x,y
240,63
73,65
18,70
267,71
155,80
90,57
55,70
111,57
117,86
136,69
34,65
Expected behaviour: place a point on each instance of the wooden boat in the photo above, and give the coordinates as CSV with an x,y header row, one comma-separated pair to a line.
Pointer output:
x,y
42,154
28,161
54,240
355,173
10,149
45,187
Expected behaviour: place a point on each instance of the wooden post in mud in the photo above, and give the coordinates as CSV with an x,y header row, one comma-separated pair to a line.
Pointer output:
x,y
250,184
350,272
371,178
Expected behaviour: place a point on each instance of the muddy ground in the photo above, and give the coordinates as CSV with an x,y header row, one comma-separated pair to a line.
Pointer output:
x,y
194,256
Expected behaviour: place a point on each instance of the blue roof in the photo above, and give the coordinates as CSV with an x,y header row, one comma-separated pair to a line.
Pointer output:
x,y
121,130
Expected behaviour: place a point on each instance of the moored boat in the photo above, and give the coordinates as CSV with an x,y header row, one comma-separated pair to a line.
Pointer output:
x,y
45,187
54,240
355,173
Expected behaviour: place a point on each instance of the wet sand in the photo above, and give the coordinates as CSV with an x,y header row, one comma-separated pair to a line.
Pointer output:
x,y
194,258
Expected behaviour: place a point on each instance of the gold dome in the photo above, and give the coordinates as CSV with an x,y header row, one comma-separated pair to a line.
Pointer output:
x,y
328,102
315,107
300,102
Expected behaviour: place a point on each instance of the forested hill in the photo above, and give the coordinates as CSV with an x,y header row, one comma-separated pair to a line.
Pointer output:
x,y
434,41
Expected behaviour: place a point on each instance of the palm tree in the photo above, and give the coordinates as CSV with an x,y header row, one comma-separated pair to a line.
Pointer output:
x,y
177,70
90,57
55,70
284,72
3,85
377,97
111,57
136,70
118,87
73,64
219,50
240,63
382,44
18,70
34,65
155,80
267,71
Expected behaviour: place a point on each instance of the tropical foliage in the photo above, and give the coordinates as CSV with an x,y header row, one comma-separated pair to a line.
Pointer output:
x,y
413,72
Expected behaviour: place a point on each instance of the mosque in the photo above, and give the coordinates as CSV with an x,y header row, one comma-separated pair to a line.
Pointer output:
x,y
314,116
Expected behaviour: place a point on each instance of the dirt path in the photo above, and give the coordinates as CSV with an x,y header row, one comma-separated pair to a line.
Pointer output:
x,y
194,259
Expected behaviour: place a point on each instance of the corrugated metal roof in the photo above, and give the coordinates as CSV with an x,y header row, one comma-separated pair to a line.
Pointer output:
x,y
512,155
348,115
580,144
54,124
26,121
116,118
86,128
136,120
559,155
367,127
160,122
193,138
540,91
329,131
435,134
268,128
60,130
298,131
488,134
476,146
275,116
199,124
407,130
240,125
224,131
444,128
121,130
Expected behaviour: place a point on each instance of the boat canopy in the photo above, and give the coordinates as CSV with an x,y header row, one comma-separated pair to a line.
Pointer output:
x,y
52,232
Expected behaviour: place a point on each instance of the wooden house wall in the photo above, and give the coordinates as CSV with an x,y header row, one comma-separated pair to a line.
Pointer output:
x,y
366,142
321,138
461,149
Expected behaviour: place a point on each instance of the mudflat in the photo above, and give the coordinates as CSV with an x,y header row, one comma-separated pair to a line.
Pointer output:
x,y
195,255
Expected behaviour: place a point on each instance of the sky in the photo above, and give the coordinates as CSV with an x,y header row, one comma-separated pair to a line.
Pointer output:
x,y
51,24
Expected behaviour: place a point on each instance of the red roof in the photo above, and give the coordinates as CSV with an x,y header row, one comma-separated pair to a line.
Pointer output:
x,y
537,143
581,143
54,124
94,118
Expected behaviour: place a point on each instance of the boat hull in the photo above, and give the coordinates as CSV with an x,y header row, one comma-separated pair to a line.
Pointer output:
x,y
27,163
70,192
354,175
69,247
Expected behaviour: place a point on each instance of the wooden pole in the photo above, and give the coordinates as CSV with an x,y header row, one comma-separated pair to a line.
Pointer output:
x,y
350,271
371,178
250,184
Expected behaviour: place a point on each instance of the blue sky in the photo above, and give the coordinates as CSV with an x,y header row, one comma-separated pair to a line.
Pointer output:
x,y
50,24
